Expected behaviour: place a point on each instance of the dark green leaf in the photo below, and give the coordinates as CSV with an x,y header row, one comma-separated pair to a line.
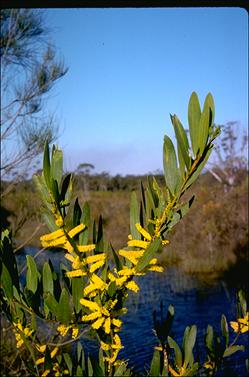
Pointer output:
x,y
232,349
69,363
65,186
209,338
194,115
77,289
6,282
224,329
32,274
85,219
148,255
116,259
178,353
57,165
134,216
171,171
182,140
46,165
155,364
64,310
47,279
189,342
76,213
51,303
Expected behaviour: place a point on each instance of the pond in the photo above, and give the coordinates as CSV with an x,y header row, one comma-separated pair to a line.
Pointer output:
x,y
195,300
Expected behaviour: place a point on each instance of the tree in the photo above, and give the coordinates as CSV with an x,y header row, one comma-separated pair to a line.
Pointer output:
x,y
29,70
231,160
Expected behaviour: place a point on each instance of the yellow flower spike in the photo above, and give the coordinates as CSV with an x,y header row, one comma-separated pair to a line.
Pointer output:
x,y
107,325
40,361
76,230
96,266
127,271
53,235
139,243
181,372
153,261
156,269
90,304
63,330
70,257
54,352
105,346
95,258
165,242
59,221
142,231
111,304
96,284
91,316
242,324
45,373
132,286
97,324
85,248
117,342
75,332
75,273
132,255
41,348
117,322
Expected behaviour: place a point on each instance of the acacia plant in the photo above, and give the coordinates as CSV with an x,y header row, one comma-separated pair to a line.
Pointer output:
x,y
94,281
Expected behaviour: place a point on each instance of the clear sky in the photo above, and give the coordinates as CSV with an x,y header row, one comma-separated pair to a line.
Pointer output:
x,y
130,68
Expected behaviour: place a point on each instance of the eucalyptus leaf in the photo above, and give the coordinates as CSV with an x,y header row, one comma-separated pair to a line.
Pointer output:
x,y
194,115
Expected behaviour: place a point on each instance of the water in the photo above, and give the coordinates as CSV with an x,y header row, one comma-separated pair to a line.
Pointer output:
x,y
195,302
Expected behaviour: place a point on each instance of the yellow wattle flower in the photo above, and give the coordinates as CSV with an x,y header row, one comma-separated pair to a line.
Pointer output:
x,y
142,231
90,304
132,255
92,316
97,265
177,374
53,235
85,248
75,273
76,230
107,325
75,332
97,324
95,258
242,324
156,269
63,330
138,243
132,285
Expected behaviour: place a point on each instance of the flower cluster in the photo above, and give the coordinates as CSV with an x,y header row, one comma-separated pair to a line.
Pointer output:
x,y
101,309
242,324
21,333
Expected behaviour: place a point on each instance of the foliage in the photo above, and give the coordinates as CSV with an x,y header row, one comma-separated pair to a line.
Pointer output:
x,y
29,70
88,294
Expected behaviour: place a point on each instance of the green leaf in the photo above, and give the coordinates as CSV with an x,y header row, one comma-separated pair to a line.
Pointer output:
x,y
64,311
85,219
97,371
155,364
201,165
55,191
224,329
209,338
242,302
232,349
69,363
148,255
189,342
57,165
194,115
134,216
185,207
32,274
77,289
65,186
46,165
178,352
6,282
76,213
116,259
204,126
51,303
171,172
48,218
47,279
182,140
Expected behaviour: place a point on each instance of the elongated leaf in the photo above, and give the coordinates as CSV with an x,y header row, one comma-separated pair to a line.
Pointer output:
x,y
155,364
201,165
76,213
182,140
189,343
51,303
64,311
224,329
97,371
209,338
116,259
32,274
204,127
152,191
46,165
185,207
148,255
47,279
194,115
178,352
100,237
85,219
171,173
49,221
55,191
69,362
6,282
57,165
77,289
134,216
232,349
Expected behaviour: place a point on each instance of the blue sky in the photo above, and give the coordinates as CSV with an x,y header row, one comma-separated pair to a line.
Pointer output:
x,y
130,68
